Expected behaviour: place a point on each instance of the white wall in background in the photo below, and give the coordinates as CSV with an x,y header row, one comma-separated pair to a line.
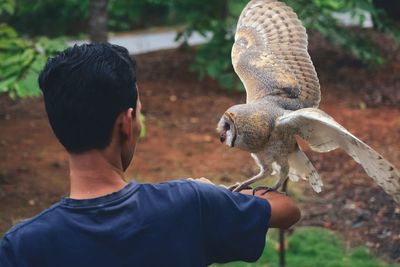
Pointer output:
x,y
141,43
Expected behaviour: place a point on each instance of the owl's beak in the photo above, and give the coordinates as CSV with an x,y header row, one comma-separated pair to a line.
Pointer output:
x,y
224,132
222,137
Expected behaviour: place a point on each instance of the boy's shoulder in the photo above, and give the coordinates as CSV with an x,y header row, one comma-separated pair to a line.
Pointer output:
x,y
27,226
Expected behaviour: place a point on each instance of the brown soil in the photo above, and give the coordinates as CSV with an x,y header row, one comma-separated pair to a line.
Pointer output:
x,y
181,115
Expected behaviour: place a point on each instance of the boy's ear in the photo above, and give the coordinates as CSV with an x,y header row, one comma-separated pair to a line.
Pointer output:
x,y
138,108
126,120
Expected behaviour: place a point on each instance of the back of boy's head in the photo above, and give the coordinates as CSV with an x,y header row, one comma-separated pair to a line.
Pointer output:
x,y
85,88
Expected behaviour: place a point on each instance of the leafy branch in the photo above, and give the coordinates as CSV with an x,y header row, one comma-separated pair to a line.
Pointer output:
x,y
22,59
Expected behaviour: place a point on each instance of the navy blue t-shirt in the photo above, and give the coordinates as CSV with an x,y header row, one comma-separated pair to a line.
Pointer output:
x,y
179,223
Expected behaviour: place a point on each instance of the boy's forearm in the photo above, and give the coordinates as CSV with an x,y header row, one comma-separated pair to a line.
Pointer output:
x,y
284,211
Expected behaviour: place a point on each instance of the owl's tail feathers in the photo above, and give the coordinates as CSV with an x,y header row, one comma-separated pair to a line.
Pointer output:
x,y
301,167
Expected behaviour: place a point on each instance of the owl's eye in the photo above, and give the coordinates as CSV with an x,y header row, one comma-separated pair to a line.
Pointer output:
x,y
227,127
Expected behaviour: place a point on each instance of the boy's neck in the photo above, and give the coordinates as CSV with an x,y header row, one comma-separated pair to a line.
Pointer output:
x,y
94,174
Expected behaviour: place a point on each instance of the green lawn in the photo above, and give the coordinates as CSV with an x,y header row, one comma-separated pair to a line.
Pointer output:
x,y
313,247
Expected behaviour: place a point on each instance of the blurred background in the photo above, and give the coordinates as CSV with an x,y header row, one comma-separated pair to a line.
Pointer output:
x,y
186,82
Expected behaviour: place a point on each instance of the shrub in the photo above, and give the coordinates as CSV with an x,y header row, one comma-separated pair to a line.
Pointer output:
x,y
22,59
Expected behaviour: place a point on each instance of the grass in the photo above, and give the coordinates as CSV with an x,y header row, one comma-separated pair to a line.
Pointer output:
x,y
313,247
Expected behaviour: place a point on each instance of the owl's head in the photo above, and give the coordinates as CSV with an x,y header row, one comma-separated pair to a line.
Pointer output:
x,y
227,129
245,127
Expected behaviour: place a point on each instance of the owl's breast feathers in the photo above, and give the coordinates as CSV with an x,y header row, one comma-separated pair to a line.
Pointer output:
x,y
254,123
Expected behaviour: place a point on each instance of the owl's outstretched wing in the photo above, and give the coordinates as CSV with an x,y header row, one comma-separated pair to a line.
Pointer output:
x,y
324,134
270,55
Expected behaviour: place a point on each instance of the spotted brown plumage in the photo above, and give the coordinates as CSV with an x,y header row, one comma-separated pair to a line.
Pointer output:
x,y
283,93
270,55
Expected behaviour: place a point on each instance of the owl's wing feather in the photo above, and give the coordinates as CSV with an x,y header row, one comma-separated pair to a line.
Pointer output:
x,y
270,54
324,134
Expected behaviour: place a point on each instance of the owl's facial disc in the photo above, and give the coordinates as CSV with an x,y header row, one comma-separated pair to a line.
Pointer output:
x,y
227,131
225,128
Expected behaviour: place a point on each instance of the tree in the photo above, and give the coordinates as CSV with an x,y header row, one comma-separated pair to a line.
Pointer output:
x,y
98,20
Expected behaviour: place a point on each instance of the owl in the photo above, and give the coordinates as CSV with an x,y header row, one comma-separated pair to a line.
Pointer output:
x,y
282,98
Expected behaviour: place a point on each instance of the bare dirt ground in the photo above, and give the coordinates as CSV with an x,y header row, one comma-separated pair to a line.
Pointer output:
x,y
181,115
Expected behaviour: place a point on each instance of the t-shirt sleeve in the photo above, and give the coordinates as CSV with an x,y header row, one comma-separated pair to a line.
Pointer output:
x,y
6,254
234,225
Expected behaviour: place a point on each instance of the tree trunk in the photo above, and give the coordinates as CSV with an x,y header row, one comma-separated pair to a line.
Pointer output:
x,y
98,20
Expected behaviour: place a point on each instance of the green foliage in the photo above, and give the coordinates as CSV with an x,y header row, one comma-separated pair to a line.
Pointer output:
x,y
208,59
318,15
313,247
143,130
70,17
22,59
213,58
217,18
127,14
48,17
7,7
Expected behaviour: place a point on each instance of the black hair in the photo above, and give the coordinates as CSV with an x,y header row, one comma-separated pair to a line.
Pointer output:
x,y
85,88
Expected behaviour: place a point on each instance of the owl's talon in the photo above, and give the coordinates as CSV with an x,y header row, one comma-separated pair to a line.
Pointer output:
x,y
232,187
238,187
266,188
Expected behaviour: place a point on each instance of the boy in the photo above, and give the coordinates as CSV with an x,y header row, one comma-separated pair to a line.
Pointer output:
x,y
93,107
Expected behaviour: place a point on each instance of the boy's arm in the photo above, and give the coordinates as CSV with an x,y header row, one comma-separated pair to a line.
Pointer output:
x,y
284,211
234,225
